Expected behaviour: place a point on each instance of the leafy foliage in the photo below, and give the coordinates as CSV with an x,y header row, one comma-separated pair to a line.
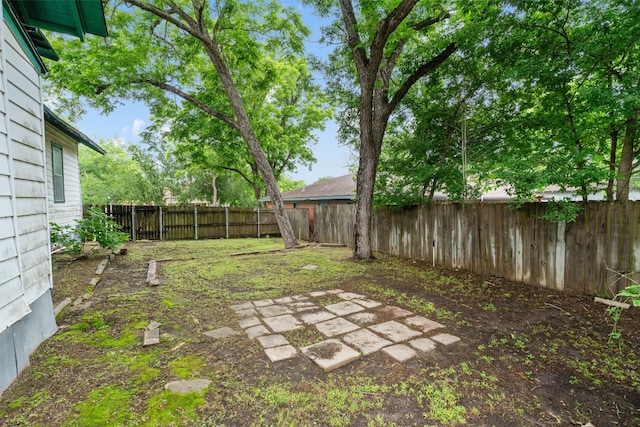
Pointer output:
x,y
96,227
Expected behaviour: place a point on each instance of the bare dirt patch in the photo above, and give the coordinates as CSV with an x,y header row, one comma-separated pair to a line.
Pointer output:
x,y
527,356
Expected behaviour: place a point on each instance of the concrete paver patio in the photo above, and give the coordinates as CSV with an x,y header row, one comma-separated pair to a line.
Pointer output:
x,y
354,328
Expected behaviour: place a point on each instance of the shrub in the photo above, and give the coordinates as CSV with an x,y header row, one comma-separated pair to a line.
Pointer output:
x,y
96,227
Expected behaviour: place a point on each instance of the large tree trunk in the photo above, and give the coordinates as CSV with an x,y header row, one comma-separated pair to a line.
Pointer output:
x,y
243,126
625,167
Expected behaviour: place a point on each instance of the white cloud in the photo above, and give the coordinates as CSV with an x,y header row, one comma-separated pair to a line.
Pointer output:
x,y
137,127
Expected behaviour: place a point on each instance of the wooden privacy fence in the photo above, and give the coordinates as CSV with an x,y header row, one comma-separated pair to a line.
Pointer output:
x,y
189,222
587,256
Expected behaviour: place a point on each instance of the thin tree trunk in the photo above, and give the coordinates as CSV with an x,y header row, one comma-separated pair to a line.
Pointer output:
x,y
612,164
625,167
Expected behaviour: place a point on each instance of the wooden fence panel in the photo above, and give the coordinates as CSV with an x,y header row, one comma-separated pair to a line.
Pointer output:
x,y
586,256
189,222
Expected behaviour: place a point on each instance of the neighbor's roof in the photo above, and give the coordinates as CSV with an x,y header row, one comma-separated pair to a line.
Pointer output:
x,y
73,133
72,17
340,188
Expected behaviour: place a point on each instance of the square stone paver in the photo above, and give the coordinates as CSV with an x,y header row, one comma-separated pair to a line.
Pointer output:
x,y
396,332
350,295
422,344
284,352
366,341
248,312
337,326
283,300
248,322
269,341
274,310
330,354
334,291
257,331
316,294
445,339
317,317
395,311
423,323
283,323
263,303
344,308
303,306
400,352
363,318
221,332
365,302
243,306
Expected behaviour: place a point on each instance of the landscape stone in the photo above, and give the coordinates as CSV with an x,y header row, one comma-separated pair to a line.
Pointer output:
x,y
368,303
395,311
284,352
350,295
309,267
187,386
422,344
344,308
335,291
400,352
302,305
396,332
273,310
300,297
221,332
263,303
330,354
246,313
269,341
243,306
423,323
317,294
153,325
316,317
365,318
445,339
282,323
248,322
151,337
337,326
257,331
365,341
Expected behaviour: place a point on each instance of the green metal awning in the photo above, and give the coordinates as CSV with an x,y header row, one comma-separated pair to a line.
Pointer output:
x,y
73,17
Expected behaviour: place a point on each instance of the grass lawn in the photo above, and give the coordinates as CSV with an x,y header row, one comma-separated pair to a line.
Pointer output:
x,y
527,356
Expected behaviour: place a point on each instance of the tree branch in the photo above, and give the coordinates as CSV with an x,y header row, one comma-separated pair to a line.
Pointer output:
x,y
422,71
353,38
176,91
188,26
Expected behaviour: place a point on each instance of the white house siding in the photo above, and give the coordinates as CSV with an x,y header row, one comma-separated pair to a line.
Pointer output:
x,y
71,210
26,312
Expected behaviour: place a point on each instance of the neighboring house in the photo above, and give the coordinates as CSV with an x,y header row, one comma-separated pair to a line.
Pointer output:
x,y
63,170
340,190
26,309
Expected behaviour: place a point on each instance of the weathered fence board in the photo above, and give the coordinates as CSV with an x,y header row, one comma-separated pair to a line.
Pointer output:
x,y
492,239
189,222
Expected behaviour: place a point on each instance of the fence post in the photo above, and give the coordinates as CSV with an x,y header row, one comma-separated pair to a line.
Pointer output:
x,y
226,222
133,223
161,227
195,216
258,222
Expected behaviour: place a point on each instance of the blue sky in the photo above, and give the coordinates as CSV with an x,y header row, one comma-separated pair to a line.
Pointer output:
x,y
126,122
